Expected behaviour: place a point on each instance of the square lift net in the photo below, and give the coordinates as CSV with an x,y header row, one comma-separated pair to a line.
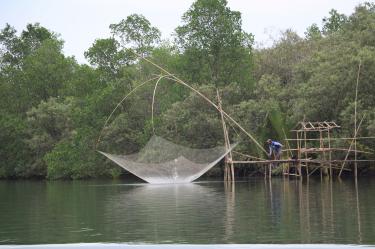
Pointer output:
x,y
162,161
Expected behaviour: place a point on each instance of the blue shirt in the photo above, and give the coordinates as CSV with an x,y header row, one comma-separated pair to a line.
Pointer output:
x,y
275,146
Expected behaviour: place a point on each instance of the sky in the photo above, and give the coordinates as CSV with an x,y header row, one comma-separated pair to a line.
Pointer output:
x,y
80,22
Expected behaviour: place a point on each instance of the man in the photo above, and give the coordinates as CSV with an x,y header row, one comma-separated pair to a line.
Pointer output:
x,y
275,149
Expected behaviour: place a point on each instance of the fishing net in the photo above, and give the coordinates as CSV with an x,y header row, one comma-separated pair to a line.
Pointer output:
x,y
162,161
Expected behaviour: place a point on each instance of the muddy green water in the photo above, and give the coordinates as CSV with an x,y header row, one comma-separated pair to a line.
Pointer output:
x,y
208,212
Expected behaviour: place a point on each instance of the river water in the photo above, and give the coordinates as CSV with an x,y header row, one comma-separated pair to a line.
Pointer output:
x,y
252,211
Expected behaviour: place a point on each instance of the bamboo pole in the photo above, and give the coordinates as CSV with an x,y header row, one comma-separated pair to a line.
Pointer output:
x,y
230,154
350,146
287,144
321,145
118,105
225,114
307,168
299,155
270,170
291,153
227,176
355,119
330,149
245,155
234,129
153,102
228,157
265,172
223,125
330,153
332,138
178,80
317,129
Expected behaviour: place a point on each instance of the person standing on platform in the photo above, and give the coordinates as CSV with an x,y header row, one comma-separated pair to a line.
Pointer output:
x,y
275,149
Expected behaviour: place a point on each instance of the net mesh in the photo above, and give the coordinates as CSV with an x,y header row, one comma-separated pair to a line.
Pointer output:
x,y
162,161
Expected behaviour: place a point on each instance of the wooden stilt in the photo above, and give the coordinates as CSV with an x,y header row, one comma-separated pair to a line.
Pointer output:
x,y
298,155
330,154
287,152
225,171
229,167
320,145
325,171
307,167
270,170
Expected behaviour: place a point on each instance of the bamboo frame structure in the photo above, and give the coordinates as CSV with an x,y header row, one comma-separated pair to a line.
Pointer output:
x,y
167,75
305,152
229,167
181,82
324,129
302,132
224,116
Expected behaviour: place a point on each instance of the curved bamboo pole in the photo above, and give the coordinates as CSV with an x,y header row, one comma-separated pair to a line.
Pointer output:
x,y
174,78
118,105
178,80
153,102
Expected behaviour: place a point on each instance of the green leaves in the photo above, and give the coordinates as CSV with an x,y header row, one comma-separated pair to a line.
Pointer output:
x,y
52,109
16,48
334,22
214,44
13,149
74,158
106,55
45,72
136,32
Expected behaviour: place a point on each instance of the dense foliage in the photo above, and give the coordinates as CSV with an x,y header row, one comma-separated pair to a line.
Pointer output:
x,y
52,109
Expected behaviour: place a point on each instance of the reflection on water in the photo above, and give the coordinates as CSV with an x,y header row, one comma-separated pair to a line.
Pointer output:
x,y
254,211
165,213
185,246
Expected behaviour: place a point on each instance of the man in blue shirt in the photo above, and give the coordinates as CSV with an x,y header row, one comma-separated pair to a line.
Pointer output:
x,y
275,149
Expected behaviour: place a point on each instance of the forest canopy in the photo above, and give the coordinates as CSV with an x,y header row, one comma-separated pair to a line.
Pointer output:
x,y
52,108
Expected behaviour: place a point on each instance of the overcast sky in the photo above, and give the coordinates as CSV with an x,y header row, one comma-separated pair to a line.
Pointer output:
x,y
80,22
